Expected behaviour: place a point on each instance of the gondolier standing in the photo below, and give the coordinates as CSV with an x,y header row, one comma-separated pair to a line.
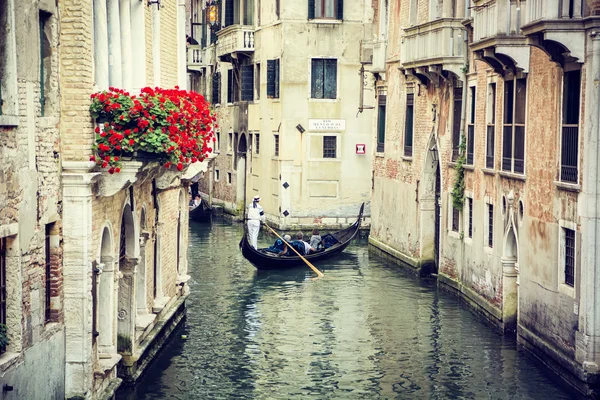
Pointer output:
x,y
255,216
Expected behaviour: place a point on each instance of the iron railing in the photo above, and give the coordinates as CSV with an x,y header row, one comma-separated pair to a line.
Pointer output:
x,y
569,153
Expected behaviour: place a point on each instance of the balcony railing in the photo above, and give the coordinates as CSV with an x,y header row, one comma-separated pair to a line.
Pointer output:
x,y
195,57
554,9
235,38
498,19
433,42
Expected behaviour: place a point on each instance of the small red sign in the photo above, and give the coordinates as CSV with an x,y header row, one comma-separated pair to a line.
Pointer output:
x,y
361,149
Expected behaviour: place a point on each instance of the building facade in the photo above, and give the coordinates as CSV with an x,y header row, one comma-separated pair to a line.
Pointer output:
x,y
31,224
284,79
486,163
125,265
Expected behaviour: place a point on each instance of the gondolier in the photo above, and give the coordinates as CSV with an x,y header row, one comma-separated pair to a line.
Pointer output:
x,y
255,216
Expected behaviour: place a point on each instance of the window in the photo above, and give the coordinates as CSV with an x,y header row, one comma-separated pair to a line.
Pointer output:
x,y
570,126
257,143
381,122
471,125
491,126
229,141
569,257
325,9
257,82
2,284
48,273
229,177
456,116
233,90
513,140
276,148
455,219
470,204
247,82
409,125
323,78
273,79
414,8
216,88
249,12
218,144
217,175
8,65
230,11
329,146
45,60
490,238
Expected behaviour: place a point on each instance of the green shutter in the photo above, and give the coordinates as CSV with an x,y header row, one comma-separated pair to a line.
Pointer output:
x,y
311,9
340,9
271,78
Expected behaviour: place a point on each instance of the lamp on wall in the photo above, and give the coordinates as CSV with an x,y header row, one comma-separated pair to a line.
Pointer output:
x,y
434,154
212,12
157,2
300,128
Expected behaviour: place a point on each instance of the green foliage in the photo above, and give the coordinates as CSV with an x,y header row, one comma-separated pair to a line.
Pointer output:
x,y
458,191
3,336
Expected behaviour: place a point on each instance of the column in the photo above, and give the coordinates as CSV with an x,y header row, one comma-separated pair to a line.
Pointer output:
x,y
138,46
126,55
114,44
100,44
156,44
181,47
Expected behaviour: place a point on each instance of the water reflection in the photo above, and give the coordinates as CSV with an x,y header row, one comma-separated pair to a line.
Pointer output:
x,y
366,330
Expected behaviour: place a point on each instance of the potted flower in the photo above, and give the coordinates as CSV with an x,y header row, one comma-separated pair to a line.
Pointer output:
x,y
170,126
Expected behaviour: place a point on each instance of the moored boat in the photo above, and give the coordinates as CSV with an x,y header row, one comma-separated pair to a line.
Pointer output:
x,y
201,212
263,259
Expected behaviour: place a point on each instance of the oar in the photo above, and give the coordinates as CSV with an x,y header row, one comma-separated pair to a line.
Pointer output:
x,y
319,273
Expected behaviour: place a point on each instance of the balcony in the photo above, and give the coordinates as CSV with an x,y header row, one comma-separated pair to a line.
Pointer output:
x,y
195,58
497,37
432,49
235,39
557,27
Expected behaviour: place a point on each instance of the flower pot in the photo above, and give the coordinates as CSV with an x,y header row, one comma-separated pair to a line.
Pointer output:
x,y
127,155
147,156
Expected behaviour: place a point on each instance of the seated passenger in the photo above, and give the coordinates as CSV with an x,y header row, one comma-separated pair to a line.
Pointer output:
x,y
301,246
315,240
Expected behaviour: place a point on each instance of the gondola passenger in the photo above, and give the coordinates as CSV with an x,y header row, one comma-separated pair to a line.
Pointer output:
x,y
315,240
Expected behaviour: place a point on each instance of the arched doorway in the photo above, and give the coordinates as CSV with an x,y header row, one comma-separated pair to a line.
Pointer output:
x,y
127,269
241,172
105,295
429,208
510,271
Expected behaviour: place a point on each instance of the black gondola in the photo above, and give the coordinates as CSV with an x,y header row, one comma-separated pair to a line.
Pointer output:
x,y
201,213
265,260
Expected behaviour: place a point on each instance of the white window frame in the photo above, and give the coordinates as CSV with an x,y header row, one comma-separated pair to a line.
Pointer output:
x,y
10,90
486,226
468,195
562,286
449,212
217,175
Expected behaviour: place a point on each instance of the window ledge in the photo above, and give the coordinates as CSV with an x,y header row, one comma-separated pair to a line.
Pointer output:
x,y
107,362
7,360
406,158
469,167
569,187
566,289
511,175
325,21
159,304
275,158
488,250
454,234
336,100
143,321
9,120
380,154
488,171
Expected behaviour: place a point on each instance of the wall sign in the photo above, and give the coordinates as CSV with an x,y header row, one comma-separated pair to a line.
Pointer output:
x,y
326,124
361,149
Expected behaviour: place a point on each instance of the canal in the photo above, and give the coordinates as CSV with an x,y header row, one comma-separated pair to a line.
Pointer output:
x,y
367,330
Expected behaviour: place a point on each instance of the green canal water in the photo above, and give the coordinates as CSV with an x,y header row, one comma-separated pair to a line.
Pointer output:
x,y
367,330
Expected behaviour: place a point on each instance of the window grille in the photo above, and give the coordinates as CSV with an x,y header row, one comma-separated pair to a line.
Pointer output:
x,y
456,116
257,145
329,146
455,219
48,273
276,149
381,115
409,125
470,217
490,225
569,257
570,127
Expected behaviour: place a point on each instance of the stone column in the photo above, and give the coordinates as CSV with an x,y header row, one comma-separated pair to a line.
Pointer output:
x,y
126,309
101,44
140,284
181,46
126,55
106,290
77,270
588,335
510,294
156,44
114,44
138,45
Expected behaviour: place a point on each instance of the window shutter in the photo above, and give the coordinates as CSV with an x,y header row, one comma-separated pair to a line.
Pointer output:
x,y
229,12
340,9
247,82
277,78
230,86
215,88
311,9
203,40
270,78
330,79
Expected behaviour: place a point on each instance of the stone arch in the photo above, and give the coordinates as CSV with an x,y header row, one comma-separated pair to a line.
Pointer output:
x,y
510,270
126,293
429,208
105,290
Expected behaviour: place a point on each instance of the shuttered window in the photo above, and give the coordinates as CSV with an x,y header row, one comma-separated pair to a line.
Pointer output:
x,y
216,88
229,12
409,125
326,9
257,81
324,78
569,261
273,79
381,110
247,82
456,116
570,126
233,92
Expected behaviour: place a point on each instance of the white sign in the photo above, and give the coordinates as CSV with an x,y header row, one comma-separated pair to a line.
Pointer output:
x,y
326,124
361,149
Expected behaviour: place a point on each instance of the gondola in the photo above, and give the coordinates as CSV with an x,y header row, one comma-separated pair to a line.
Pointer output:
x,y
265,260
201,213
